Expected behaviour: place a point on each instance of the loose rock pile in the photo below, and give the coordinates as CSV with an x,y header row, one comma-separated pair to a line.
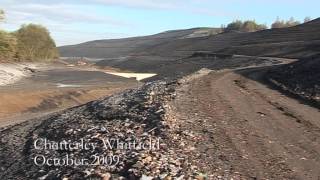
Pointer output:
x,y
135,116
301,78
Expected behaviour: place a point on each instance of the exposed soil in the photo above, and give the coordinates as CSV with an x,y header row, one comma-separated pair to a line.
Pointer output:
x,y
301,78
132,114
56,87
18,106
212,124
167,68
247,130
224,123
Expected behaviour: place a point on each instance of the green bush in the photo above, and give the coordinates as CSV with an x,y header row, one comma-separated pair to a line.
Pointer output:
x,y
34,43
31,42
234,26
251,26
246,26
8,43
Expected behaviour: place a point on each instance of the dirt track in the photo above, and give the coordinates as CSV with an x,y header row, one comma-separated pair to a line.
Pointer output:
x,y
231,124
248,130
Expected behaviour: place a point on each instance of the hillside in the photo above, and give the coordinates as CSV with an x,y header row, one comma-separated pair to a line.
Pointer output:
x,y
171,68
295,42
128,46
286,42
301,78
212,114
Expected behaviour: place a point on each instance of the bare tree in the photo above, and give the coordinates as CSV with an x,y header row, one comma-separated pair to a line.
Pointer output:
x,y
1,15
284,24
277,23
307,19
292,22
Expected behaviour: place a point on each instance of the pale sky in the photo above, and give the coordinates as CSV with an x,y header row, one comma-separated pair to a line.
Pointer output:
x,y
76,21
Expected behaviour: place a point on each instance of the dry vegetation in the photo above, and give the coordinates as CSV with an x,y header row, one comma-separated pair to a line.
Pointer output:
x,y
31,42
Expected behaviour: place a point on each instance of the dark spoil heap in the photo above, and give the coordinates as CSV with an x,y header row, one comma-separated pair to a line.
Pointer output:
x,y
124,136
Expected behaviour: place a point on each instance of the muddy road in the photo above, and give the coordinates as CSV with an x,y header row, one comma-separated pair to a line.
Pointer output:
x,y
247,129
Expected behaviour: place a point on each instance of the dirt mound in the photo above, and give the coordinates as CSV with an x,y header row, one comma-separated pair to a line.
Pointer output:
x,y
12,72
124,135
301,78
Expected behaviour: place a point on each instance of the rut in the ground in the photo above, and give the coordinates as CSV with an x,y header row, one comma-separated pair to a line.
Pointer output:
x,y
250,130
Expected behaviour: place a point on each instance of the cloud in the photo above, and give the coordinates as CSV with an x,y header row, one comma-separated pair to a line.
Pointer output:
x,y
207,12
62,13
64,17
68,23
71,36
198,7
145,4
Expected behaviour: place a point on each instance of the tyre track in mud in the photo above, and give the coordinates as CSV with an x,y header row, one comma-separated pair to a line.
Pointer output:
x,y
249,130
